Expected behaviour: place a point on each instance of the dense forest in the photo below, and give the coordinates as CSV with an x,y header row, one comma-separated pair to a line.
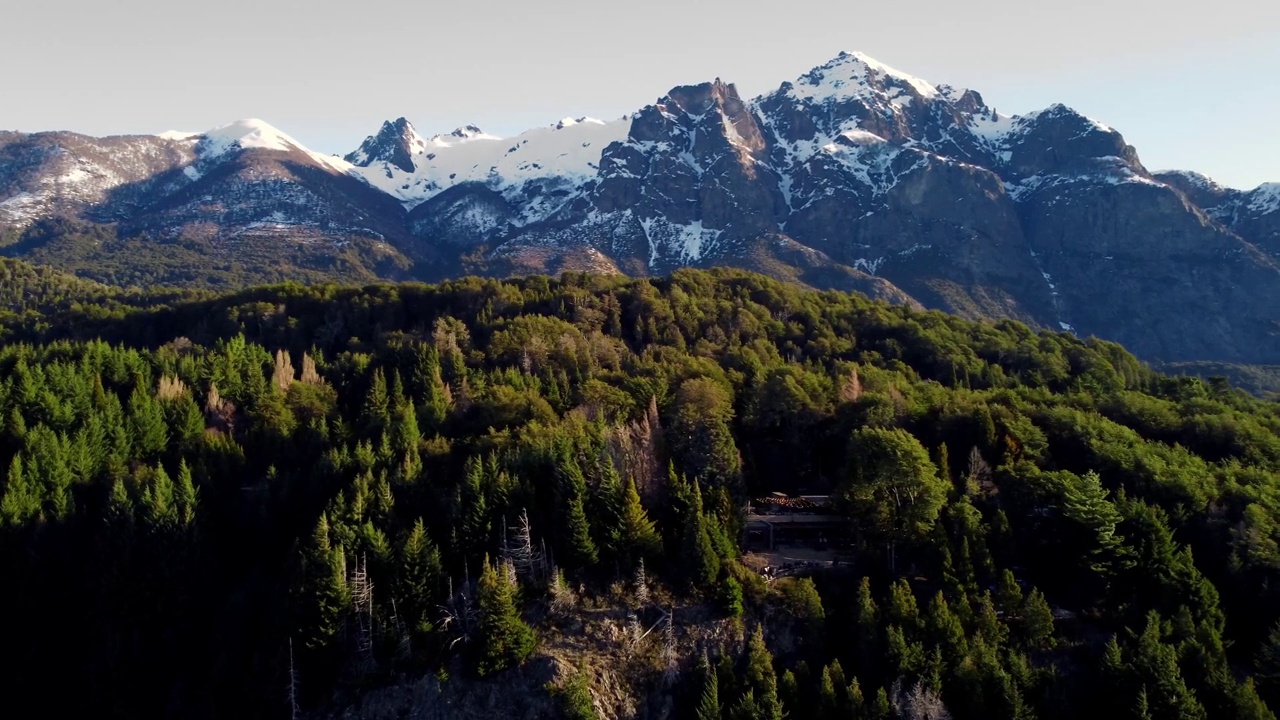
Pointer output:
x,y
287,500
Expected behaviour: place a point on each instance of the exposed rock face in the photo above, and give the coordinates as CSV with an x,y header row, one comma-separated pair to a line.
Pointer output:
x,y
396,144
853,176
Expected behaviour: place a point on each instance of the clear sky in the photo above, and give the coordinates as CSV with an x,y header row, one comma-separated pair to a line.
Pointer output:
x,y
1191,84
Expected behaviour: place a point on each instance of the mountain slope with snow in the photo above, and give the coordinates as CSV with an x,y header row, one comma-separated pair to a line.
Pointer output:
x,y
852,175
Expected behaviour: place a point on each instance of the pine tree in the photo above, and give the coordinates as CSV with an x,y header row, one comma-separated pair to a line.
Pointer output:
x,y
701,564
503,639
880,708
902,609
418,582
729,594
829,705
709,700
582,549
428,387
322,592
375,412
186,498
146,421
943,628
760,677
1009,594
474,530
857,704
867,635
21,500
638,536
1156,666
1268,662
1037,620
158,499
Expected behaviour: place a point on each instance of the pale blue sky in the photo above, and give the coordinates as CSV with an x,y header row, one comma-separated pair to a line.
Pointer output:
x,y
1192,85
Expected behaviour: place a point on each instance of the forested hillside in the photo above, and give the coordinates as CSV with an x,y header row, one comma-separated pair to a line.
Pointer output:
x,y
527,498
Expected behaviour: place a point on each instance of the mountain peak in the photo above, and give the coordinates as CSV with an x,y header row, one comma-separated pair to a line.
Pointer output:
x,y
246,134
396,143
856,74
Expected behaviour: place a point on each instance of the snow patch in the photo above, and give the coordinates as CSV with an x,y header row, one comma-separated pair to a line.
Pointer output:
x,y
560,156
259,135
852,75
1265,198
681,244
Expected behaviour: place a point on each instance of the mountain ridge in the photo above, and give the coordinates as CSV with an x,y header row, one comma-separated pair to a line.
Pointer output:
x,y
854,175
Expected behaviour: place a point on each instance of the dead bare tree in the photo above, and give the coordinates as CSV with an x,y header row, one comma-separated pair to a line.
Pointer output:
x,y
634,449
918,703
851,387
459,615
219,414
404,647
361,589
979,479
520,552
282,375
309,374
293,685
171,388
670,650
641,583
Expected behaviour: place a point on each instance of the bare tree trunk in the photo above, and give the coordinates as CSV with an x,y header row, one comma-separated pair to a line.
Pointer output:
x,y
293,685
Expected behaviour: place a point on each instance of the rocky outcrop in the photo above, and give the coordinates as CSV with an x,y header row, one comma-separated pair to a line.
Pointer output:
x,y
395,144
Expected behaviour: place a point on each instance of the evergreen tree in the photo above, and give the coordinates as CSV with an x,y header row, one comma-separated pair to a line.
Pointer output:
x,y
429,389
701,564
1037,620
582,549
146,421
186,498
867,635
902,609
638,535
708,707
1009,593
1155,664
503,639
418,581
21,500
375,412
943,628
322,595
880,708
729,594
475,530
1268,662
760,677
829,704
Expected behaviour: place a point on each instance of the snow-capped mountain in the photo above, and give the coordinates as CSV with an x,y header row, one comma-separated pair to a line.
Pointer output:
x,y
852,175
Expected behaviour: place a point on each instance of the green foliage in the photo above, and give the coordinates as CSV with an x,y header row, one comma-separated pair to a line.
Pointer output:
x,y
207,506
708,703
576,702
503,640
893,491
761,694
